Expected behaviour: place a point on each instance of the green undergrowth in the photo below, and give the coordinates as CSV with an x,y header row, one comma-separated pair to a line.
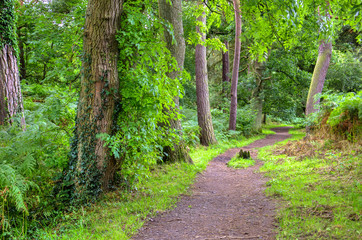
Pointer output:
x,y
321,190
121,213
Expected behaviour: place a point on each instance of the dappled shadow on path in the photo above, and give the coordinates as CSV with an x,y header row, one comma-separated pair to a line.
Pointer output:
x,y
225,203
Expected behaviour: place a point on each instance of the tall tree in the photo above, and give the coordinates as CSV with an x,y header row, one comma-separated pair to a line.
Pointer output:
x,y
91,163
235,76
207,135
171,11
11,102
321,67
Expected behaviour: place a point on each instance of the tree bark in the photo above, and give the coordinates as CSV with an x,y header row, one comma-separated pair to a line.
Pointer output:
x,y
11,102
225,67
319,75
207,135
173,14
94,167
235,76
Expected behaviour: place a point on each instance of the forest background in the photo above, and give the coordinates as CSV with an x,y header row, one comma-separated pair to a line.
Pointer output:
x,y
242,63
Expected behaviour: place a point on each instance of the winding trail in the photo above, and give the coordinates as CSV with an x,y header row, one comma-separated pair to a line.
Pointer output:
x,y
225,203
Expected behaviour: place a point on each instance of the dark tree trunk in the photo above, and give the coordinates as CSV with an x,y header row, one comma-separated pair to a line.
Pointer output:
x,y
319,75
22,60
93,166
207,135
11,102
235,76
173,14
225,67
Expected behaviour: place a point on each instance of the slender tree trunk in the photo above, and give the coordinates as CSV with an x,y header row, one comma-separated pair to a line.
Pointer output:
x,y
235,76
173,14
257,98
225,67
94,167
207,135
11,102
319,75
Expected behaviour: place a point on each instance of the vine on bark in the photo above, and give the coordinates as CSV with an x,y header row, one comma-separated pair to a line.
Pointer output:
x,y
7,25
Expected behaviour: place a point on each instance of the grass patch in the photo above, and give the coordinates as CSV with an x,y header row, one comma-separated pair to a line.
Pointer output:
x,y
238,162
121,213
322,194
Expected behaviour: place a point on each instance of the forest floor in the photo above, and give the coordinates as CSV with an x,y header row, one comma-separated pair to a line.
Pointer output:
x,y
224,203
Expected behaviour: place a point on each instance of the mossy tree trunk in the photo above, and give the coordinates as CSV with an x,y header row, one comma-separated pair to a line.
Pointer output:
x,y
235,76
93,167
173,14
207,135
11,102
319,75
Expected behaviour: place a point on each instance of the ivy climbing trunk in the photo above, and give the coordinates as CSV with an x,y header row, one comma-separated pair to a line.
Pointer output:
x,y
319,75
11,102
225,67
171,11
204,118
235,76
93,166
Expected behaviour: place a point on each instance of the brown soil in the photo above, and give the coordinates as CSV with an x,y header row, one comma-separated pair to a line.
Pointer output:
x,y
225,203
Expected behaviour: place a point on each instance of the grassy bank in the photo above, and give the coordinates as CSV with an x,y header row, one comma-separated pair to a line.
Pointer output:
x,y
319,183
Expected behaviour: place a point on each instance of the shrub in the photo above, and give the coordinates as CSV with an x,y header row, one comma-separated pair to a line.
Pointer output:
x,y
340,115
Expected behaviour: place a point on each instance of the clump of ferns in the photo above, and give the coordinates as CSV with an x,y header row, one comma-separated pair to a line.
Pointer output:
x,y
13,189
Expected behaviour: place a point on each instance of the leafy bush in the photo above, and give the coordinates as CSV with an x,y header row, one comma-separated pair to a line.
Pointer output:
x,y
191,127
340,115
245,120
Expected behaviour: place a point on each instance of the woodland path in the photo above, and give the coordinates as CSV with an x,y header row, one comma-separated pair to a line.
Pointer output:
x,y
225,203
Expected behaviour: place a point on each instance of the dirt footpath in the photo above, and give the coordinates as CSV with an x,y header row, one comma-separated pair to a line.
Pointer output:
x,y
225,203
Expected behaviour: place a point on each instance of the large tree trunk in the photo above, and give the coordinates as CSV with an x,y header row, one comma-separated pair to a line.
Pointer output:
x,y
319,75
235,76
11,102
173,14
257,98
94,168
207,135
225,67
